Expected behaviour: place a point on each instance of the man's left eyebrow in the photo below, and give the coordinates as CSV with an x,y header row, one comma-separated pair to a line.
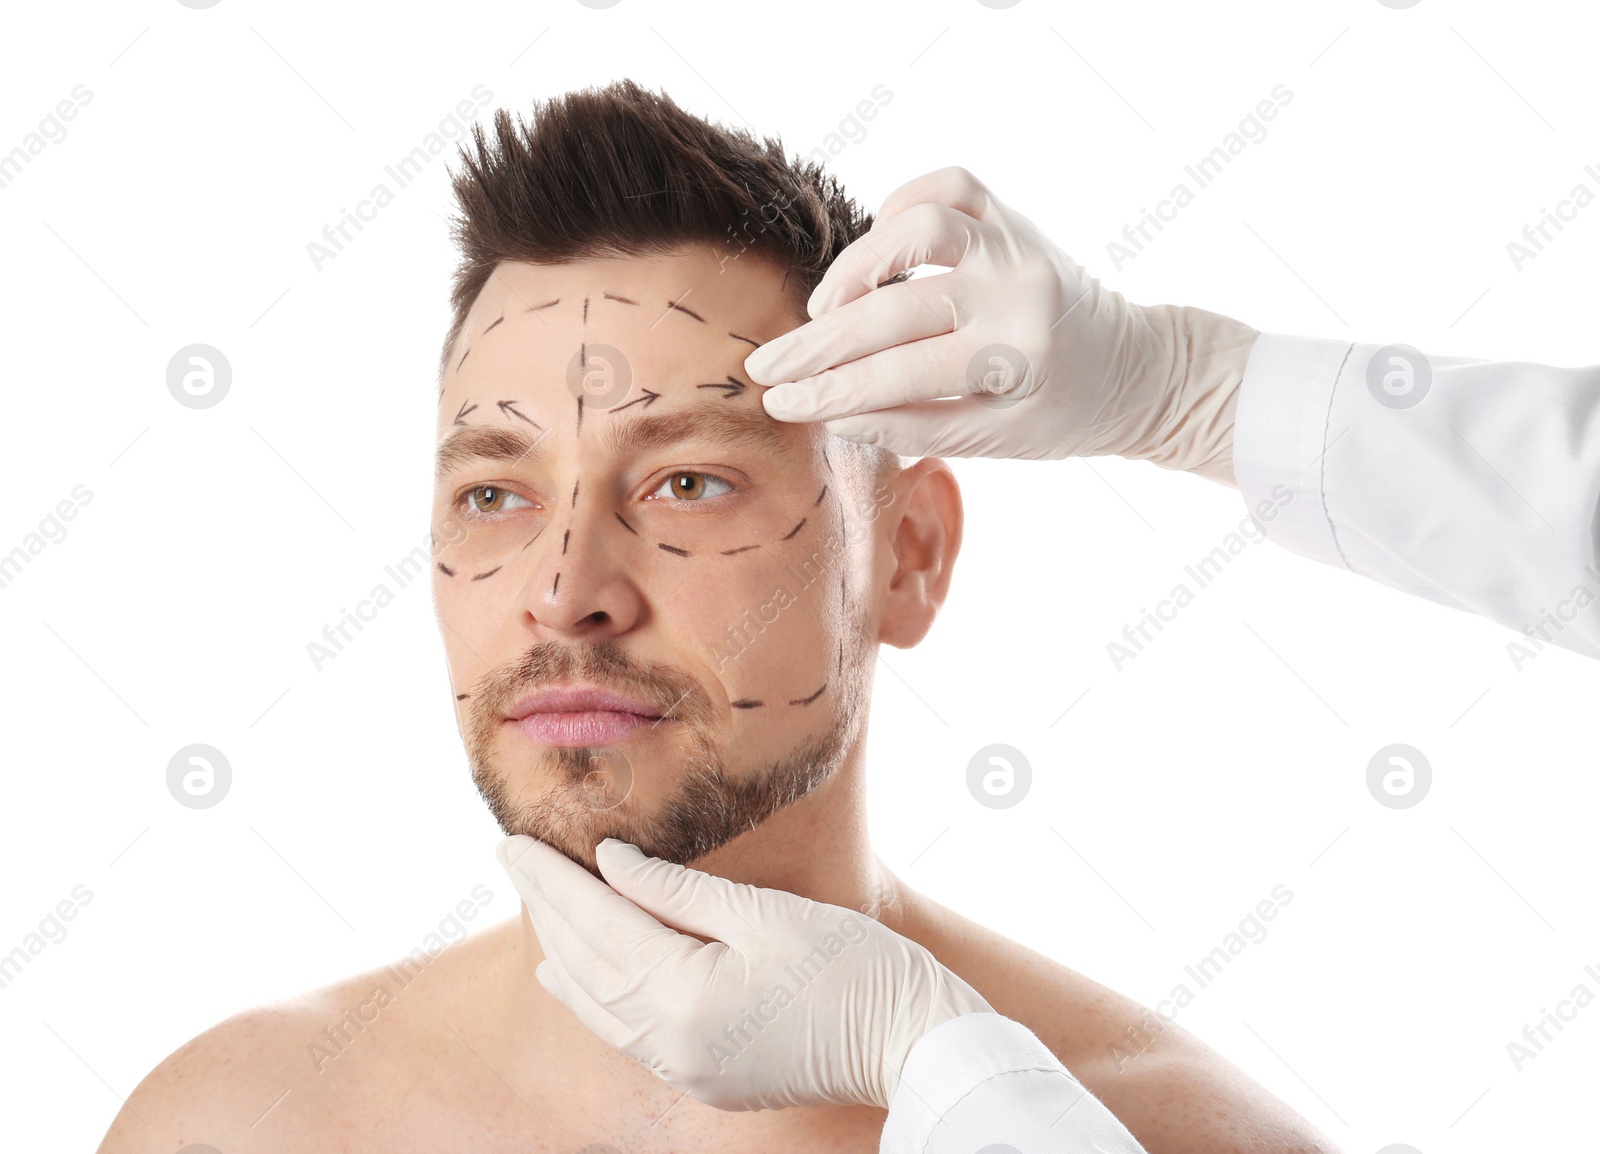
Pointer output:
x,y
733,428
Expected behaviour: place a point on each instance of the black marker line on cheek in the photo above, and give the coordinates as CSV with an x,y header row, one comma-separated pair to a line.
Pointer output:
x,y
747,703
809,700
556,585
793,531
446,570
490,573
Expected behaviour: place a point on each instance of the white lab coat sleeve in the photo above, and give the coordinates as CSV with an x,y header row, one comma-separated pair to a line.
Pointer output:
x,y
980,1081
1483,495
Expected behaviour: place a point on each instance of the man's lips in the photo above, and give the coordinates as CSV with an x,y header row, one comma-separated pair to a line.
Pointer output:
x,y
580,700
575,716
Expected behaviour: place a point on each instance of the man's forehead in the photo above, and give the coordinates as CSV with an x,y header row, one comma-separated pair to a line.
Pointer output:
x,y
688,313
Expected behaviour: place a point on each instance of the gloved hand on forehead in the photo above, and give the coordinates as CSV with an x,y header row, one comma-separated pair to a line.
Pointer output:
x,y
1038,358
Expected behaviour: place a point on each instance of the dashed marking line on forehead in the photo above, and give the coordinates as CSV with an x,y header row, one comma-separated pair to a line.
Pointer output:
x,y
493,323
681,309
674,306
611,296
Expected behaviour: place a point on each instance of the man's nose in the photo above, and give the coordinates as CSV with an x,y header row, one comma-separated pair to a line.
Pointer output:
x,y
580,583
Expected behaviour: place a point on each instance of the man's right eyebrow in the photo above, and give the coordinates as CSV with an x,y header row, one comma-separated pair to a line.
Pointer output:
x,y
483,443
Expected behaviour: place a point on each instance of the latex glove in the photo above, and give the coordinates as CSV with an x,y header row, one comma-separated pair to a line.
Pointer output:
x,y
788,1002
1045,361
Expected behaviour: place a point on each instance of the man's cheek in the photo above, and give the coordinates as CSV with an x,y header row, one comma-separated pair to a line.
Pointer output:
x,y
767,643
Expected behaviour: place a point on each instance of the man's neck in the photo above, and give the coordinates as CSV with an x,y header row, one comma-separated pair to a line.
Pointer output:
x,y
816,847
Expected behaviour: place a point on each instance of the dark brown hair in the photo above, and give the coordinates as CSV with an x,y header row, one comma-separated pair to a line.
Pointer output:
x,y
622,171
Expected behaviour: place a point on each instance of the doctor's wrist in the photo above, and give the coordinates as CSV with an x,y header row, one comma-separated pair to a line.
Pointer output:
x,y
1207,354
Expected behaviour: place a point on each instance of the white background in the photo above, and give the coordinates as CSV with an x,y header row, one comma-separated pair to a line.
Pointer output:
x,y
1228,758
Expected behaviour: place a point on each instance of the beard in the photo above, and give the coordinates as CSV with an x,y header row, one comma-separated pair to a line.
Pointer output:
x,y
591,796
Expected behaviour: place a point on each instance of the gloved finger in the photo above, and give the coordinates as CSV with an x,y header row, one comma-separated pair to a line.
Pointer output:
x,y
593,970
947,365
949,427
603,939
556,939
690,899
923,234
610,925
904,312
955,427
600,1022
952,185
954,189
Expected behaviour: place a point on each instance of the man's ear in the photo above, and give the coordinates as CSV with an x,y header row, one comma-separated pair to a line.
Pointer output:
x,y
918,545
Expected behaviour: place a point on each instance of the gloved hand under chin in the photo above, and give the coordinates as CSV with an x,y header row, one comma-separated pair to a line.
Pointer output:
x,y
788,1002
1037,358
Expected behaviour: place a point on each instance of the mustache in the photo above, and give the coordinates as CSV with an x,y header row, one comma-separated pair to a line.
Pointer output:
x,y
603,663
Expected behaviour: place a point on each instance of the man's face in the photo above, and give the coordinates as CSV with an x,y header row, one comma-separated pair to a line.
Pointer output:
x,y
616,512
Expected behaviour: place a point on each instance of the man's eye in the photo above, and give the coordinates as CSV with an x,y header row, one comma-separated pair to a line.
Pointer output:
x,y
691,486
489,499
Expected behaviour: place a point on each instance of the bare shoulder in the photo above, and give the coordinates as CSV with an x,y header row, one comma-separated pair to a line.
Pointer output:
x,y
1169,1088
218,1087
290,1075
